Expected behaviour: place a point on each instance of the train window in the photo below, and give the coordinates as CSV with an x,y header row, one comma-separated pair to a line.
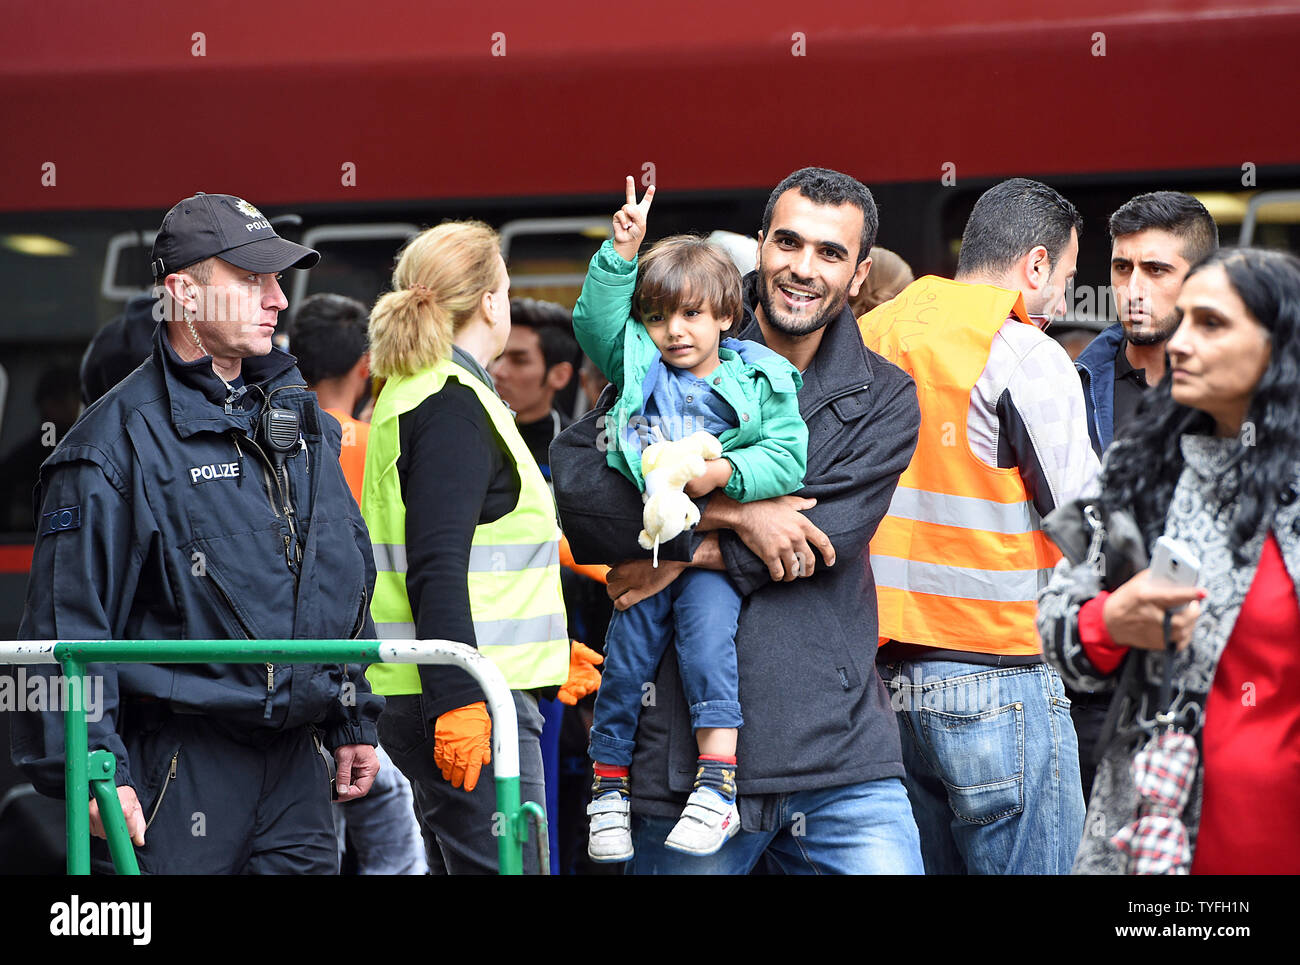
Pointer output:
x,y
123,256
356,260
547,257
1272,220
4,391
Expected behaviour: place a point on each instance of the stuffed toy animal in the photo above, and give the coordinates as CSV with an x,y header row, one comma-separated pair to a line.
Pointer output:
x,y
667,468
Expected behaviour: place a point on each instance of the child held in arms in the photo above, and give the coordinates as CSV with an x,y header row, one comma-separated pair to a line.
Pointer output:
x,y
655,329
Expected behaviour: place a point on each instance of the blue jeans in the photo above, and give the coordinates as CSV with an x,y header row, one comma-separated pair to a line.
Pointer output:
x,y
992,766
856,829
702,606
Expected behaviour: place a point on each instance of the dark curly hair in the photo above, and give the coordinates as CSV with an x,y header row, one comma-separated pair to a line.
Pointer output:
x,y
1143,467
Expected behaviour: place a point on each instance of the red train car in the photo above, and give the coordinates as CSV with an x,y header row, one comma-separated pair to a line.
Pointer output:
x,y
368,122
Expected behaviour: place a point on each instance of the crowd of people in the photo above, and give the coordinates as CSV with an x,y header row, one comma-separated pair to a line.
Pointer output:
x,y
869,642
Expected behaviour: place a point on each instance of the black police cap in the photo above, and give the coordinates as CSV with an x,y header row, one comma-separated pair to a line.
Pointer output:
x,y
229,227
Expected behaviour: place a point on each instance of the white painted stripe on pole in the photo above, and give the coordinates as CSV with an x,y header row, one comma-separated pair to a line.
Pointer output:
x,y
500,701
27,651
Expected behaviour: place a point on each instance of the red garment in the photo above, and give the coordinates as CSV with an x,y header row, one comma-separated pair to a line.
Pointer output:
x,y
1250,741
1105,654
1250,811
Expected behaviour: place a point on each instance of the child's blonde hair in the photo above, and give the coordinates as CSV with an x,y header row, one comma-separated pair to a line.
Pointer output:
x,y
687,271
438,284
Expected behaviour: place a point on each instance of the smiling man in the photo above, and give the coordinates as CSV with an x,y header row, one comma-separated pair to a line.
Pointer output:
x,y
1155,239
202,498
820,790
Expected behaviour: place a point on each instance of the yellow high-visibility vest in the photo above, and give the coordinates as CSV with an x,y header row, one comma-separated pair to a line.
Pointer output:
x,y
960,557
514,562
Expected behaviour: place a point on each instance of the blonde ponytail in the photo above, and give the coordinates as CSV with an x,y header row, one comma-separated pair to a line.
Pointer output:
x,y
438,285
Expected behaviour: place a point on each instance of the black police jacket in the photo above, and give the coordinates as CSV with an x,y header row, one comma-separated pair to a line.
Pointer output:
x,y
162,516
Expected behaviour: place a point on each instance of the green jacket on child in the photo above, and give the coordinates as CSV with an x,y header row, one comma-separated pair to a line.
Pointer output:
x,y
768,448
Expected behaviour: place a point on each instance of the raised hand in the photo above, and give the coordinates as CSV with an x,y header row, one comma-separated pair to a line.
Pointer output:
x,y
630,221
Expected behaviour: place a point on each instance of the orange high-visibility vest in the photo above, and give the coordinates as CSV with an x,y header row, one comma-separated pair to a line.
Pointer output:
x,y
961,555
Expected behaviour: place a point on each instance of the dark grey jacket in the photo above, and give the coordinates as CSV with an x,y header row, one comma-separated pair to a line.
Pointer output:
x,y
816,713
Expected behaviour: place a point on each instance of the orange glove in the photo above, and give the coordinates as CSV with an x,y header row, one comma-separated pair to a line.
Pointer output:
x,y
584,678
462,744
592,571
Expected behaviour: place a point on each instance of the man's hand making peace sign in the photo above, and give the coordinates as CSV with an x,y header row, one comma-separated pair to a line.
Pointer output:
x,y
629,221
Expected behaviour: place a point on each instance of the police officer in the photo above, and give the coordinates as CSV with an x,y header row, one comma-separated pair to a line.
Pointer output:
x,y
202,498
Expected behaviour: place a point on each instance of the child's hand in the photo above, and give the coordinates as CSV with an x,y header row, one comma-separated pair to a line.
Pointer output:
x,y
630,220
717,473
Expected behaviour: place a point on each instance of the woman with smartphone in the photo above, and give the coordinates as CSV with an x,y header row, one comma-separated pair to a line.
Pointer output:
x,y
1213,466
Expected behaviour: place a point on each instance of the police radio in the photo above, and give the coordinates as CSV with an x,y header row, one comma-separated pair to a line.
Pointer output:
x,y
280,434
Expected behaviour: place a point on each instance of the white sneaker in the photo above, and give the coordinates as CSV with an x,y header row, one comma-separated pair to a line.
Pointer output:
x,y
610,835
706,824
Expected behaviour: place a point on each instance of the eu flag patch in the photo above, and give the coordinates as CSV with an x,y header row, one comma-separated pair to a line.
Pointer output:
x,y
69,517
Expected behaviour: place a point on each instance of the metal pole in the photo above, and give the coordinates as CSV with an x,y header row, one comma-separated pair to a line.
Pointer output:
x,y
103,766
510,850
75,655
77,784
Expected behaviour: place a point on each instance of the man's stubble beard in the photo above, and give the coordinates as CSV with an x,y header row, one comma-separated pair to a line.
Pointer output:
x,y
1162,332
783,325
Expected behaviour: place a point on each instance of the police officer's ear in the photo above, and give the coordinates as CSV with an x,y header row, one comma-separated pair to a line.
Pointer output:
x,y
181,293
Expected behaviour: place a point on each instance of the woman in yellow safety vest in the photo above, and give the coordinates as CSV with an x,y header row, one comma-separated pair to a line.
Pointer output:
x,y
464,534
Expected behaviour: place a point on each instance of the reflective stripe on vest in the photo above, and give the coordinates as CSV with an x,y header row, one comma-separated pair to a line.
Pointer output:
x,y
995,586
960,557
490,633
513,575
963,512
391,558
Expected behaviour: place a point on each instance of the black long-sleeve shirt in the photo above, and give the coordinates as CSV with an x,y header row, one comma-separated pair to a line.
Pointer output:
x,y
455,475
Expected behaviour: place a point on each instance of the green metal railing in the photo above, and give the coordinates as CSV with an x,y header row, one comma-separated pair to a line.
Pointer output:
x,y
92,773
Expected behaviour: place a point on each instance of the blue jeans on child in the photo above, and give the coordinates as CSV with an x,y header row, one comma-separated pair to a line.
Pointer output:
x,y
700,609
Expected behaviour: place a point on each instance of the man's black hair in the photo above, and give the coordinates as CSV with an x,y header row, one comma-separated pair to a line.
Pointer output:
x,y
1011,218
824,186
1173,211
328,335
554,327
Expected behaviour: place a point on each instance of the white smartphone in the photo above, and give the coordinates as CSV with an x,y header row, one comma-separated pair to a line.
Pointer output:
x,y
1174,564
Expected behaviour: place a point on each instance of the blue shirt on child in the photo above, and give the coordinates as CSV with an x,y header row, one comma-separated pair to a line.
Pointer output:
x,y
679,405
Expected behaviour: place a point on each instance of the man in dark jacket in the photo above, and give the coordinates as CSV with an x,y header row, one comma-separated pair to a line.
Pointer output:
x,y
821,788
1155,238
172,510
